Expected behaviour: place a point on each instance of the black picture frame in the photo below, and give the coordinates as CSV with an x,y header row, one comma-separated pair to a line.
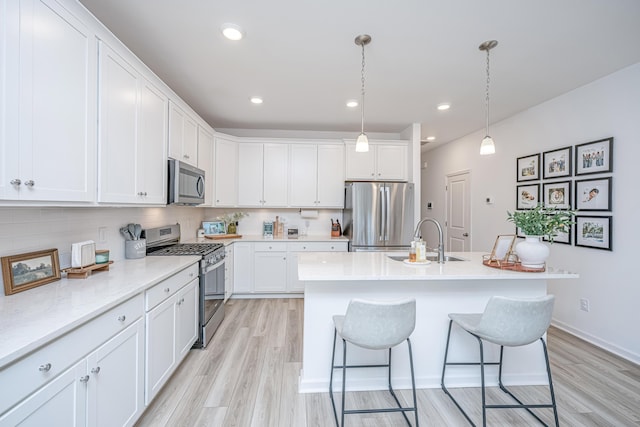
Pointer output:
x,y
593,194
594,232
557,195
528,168
527,196
563,238
594,157
557,163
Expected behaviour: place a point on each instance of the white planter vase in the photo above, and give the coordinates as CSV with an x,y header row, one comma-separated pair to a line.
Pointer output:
x,y
533,253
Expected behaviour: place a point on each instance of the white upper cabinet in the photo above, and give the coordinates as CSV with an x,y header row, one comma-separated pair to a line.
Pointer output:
x,y
383,161
183,135
262,174
225,172
317,175
48,83
132,134
205,162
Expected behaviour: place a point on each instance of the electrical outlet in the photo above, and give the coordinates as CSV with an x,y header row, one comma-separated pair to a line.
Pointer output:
x,y
584,304
102,234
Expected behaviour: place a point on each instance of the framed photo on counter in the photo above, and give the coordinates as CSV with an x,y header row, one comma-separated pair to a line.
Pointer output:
x,y
528,168
30,270
593,232
593,194
557,163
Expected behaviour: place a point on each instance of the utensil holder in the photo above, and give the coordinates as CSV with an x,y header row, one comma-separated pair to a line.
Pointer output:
x,y
134,249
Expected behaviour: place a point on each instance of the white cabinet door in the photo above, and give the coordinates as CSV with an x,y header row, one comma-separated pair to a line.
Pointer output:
x,y
226,172
243,267
293,284
160,355
275,175
391,162
304,176
186,318
383,162
49,104
270,269
228,271
250,174
151,159
360,166
62,402
118,127
116,379
205,162
330,176
183,135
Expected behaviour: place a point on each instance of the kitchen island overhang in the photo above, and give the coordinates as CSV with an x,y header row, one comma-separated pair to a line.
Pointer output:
x,y
332,280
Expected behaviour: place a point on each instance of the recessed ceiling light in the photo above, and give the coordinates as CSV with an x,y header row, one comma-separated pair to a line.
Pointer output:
x,y
352,103
256,100
443,107
232,31
431,138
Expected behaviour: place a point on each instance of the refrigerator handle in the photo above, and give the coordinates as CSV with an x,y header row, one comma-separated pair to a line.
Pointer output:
x,y
388,217
383,214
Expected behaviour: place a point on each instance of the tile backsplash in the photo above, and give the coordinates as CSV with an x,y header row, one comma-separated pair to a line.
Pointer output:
x,y
32,229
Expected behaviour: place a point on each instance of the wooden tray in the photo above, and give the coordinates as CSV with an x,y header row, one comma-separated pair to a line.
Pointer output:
x,y
84,272
222,236
512,265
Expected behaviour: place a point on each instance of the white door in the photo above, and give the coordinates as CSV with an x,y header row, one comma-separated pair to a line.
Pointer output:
x,y
330,176
304,176
275,174
186,318
225,171
250,175
205,162
458,212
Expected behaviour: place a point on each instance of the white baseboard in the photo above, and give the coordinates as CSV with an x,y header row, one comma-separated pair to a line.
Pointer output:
x,y
605,345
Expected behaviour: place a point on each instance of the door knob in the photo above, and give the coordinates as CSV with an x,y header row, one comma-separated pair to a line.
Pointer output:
x,y
465,234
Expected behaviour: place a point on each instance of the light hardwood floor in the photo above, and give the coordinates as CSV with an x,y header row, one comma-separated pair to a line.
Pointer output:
x,y
248,376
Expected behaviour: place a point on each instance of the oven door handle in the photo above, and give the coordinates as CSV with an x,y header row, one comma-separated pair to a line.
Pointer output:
x,y
209,268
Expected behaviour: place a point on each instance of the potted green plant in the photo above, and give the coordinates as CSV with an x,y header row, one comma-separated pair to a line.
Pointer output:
x,y
231,220
537,223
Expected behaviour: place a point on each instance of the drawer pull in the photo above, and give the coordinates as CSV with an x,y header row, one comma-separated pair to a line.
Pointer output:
x,y
45,368
96,370
84,379
122,318
167,290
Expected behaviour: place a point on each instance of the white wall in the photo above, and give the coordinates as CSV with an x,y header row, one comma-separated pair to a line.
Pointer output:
x,y
607,107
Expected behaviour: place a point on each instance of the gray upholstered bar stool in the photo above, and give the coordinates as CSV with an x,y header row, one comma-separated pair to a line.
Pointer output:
x,y
507,322
374,325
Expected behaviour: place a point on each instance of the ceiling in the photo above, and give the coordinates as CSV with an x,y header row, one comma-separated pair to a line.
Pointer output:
x,y
300,57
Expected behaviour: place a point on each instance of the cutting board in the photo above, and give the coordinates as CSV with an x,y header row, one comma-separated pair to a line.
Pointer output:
x,y
222,236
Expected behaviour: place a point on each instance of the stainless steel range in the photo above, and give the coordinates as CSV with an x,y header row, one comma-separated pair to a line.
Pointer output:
x,y
164,241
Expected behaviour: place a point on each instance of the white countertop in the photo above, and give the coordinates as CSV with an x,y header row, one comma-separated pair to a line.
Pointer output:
x,y
34,317
259,238
359,266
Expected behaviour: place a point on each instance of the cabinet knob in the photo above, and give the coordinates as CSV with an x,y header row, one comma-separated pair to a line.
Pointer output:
x,y
122,318
465,234
45,368
15,182
95,370
373,174
167,290
84,379
30,183
332,248
186,156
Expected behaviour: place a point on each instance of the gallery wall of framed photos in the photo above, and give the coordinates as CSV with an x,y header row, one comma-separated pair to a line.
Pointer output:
x,y
578,177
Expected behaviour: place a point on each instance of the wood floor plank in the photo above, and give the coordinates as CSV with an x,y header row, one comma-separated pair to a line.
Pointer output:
x,y
248,376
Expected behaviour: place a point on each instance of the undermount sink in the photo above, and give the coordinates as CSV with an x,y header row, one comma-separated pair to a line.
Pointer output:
x,y
429,258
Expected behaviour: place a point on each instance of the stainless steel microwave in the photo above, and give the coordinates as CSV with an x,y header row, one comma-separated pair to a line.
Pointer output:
x,y
186,184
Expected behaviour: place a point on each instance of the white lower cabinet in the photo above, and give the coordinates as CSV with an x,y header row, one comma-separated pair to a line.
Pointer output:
x,y
272,267
171,327
91,376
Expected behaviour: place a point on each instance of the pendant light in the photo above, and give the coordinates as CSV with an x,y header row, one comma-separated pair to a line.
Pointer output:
x,y
487,146
362,143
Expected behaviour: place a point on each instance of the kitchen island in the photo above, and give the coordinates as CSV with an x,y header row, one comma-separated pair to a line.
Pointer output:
x,y
331,280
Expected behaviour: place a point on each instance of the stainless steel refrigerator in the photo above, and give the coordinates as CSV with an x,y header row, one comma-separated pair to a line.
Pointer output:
x,y
378,215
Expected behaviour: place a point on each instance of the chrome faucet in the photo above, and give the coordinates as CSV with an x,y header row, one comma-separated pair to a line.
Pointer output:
x,y
416,236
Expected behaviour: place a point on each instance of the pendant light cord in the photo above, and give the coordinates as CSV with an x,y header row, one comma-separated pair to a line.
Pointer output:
x,y
487,96
362,80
